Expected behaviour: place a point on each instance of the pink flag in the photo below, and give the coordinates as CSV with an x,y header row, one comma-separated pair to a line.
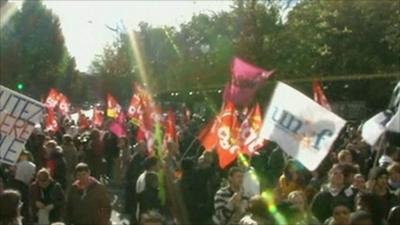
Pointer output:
x,y
117,127
319,95
245,79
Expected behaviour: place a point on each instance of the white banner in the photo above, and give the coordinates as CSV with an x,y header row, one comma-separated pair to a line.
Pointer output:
x,y
374,128
300,126
394,122
18,116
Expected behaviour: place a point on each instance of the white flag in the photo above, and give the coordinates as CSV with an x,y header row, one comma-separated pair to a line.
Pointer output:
x,y
300,126
374,128
394,123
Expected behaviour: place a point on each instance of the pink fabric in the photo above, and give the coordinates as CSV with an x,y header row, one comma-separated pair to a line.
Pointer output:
x,y
245,79
117,127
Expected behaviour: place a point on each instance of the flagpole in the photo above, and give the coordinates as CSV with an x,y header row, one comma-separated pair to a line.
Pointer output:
x,y
380,148
187,150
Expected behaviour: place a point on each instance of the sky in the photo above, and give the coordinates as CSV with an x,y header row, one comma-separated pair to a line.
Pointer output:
x,y
84,22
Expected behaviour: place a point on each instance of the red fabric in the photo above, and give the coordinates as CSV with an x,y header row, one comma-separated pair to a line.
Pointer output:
x,y
249,130
64,104
135,108
245,80
319,95
170,127
208,135
113,108
117,127
51,121
52,98
83,121
51,165
98,117
227,130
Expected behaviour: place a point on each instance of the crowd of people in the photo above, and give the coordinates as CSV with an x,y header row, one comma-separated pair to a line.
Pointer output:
x,y
63,178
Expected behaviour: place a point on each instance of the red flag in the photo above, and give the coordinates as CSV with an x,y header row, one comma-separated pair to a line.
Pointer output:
x,y
245,80
208,135
249,130
319,95
227,130
135,109
51,121
113,108
64,104
117,127
83,121
52,98
170,127
98,117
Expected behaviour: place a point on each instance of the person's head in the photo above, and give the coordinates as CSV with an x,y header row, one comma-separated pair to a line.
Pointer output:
x,y
67,139
151,180
336,176
173,148
51,146
298,199
43,178
341,213
360,218
10,204
292,170
370,203
24,156
348,173
123,142
345,157
378,177
151,163
235,177
95,134
151,218
82,173
359,182
258,206
394,172
141,147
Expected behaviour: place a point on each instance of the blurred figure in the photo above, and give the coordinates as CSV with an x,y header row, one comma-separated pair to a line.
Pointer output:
x,y
394,177
292,179
10,205
56,163
88,201
25,169
47,199
230,202
340,214
359,182
394,216
372,204
345,157
71,157
152,218
360,218
299,201
333,191
378,184
94,154
251,184
257,212
123,159
149,199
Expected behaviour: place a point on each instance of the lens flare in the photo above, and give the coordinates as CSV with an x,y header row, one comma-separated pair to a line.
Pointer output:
x,y
6,12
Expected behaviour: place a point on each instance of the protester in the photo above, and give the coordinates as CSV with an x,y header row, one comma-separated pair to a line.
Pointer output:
x,y
25,169
251,184
257,212
394,177
360,218
372,204
47,199
299,201
88,201
10,205
71,157
149,198
340,214
292,179
230,202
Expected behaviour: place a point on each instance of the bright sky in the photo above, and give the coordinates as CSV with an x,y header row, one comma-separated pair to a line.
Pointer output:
x,y
84,22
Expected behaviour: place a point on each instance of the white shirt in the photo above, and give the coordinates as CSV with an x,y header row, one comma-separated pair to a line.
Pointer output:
x,y
251,184
25,170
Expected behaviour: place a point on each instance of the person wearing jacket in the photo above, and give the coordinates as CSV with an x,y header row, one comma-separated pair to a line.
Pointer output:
x,y
88,201
48,198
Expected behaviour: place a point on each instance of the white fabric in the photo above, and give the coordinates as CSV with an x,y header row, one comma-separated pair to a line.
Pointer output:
x,y
373,128
25,171
394,122
251,185
141,183
301,127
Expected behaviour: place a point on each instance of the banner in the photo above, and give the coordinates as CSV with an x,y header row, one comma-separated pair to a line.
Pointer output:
x,y
18,116
113,108
300,126
51,123
374,128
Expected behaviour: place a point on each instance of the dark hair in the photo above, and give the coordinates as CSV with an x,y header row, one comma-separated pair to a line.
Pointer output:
x,y
150,162
377,172
187,164
339,202
234,170
358,216
374,205
9,206
67,139
258,206
151,180
82,167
